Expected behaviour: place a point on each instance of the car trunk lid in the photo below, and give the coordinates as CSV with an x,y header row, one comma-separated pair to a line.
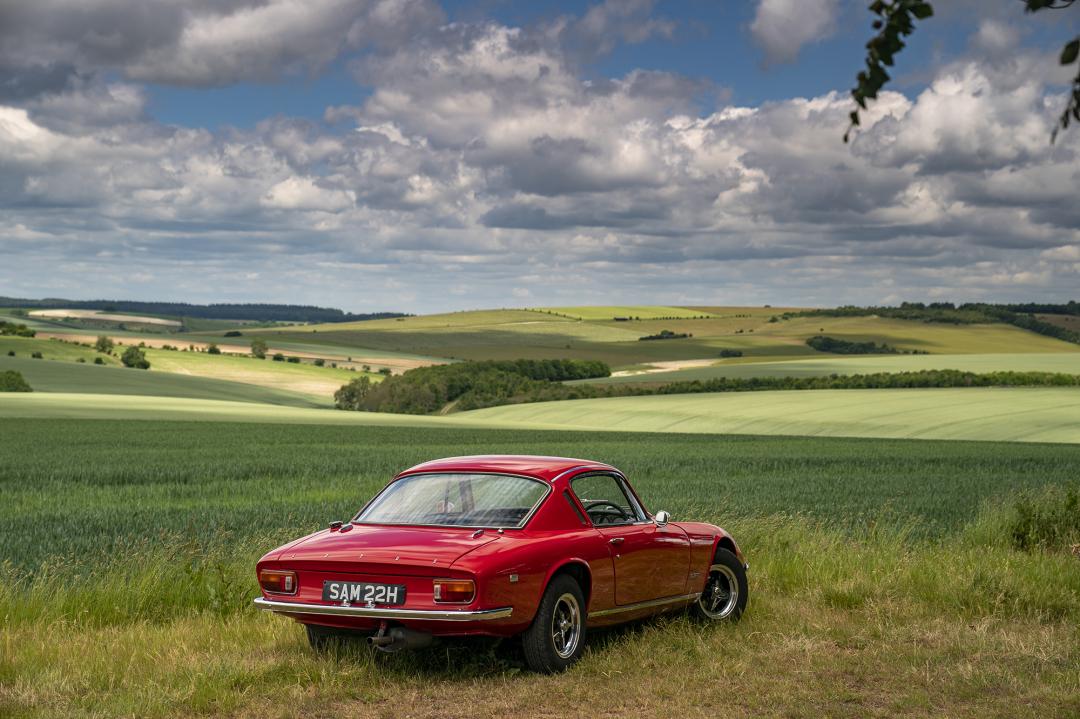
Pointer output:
x,y
386,549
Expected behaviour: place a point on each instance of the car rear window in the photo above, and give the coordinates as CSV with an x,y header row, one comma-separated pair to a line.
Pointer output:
x,y
456,500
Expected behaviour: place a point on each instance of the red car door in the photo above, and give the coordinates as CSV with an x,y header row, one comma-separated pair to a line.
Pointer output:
x,y
650,562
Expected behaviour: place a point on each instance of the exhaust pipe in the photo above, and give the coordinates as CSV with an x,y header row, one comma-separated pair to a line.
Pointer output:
x,y
400,638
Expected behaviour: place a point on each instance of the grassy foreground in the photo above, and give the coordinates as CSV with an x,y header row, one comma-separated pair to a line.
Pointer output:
x,y
879,586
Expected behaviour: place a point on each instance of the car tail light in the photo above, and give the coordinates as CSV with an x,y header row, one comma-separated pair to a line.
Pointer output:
x,y
278,581
455,591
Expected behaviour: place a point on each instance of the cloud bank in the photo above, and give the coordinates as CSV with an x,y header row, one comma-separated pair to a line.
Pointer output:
x,y
485,168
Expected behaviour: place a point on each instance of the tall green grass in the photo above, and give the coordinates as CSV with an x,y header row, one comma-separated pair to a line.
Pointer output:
x,y
85,490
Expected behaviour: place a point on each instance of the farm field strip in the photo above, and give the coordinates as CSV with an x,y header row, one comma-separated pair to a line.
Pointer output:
x,y
1005,414
1063,362
932,337
47,376
645,312
302,378
117,406
100,315
1013,414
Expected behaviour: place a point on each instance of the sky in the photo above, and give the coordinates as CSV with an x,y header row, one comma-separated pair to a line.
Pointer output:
x,y
421,156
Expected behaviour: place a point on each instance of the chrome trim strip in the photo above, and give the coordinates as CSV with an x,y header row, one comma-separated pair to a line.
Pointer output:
x,y
685,598
565,472
336,610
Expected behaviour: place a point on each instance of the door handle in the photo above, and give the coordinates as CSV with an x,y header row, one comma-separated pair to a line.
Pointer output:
x,y
616,540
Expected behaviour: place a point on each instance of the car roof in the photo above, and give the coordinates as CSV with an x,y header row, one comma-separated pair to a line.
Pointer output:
x,y
545,468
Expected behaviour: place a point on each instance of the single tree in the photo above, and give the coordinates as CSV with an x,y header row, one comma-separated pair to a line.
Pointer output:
x,y
351,396
104,345
213,349
12,381
258,348
896,21
135,357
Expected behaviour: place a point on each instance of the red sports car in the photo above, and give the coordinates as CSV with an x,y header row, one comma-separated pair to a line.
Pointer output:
x,y
541,547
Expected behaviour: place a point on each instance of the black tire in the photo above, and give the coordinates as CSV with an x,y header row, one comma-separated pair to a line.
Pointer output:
x,y
726,591
322,638
556,637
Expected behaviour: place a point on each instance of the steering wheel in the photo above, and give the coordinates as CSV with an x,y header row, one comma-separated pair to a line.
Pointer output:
x,y
623,516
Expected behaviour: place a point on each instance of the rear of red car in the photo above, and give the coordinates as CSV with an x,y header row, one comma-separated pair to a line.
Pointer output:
x,y
395,564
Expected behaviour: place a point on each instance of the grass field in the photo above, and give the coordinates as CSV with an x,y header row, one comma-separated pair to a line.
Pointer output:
x,y
645,312
820,366
177,374
300,378
1012,415
881,584
47,376
51,350
591,333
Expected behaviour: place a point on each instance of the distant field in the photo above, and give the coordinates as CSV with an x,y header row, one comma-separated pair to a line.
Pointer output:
x,y
307,384
927,336
645,312
47,376
51,350
471,318
102,316
822,365
89,405
303,378
591,333
1069,322
1017,414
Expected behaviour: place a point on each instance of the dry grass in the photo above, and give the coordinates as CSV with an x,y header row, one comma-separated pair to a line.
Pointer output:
x,y
796,654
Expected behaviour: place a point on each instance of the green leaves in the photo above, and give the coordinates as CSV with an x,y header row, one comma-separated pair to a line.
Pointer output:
x,y
1070,51
896,21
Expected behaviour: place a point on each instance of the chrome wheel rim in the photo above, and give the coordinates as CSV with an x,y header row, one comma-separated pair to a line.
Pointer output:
x,y
721,594
566,625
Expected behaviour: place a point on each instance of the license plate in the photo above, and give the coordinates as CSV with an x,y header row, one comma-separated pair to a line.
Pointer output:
x,y
363,593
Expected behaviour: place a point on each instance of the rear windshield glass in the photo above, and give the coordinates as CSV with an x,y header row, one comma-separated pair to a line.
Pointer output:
x,y
458,500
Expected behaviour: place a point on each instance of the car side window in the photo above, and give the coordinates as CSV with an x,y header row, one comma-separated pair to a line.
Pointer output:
x,y
605,500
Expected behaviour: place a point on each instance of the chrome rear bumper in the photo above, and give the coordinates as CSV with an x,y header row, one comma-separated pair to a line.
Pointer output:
x,y
427,615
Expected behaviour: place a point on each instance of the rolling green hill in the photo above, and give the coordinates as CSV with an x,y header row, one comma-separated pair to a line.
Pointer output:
x,y
592,333
823,365
71,380
1018,414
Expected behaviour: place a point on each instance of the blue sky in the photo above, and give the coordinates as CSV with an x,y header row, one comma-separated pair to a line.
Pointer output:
x,y
421,155
711,40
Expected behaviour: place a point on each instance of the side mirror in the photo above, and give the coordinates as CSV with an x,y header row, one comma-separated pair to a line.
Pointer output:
x,y
661,518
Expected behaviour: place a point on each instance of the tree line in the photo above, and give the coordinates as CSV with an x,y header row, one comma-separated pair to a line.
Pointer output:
x,y
464,385
255,312
17,330
821,343
475,385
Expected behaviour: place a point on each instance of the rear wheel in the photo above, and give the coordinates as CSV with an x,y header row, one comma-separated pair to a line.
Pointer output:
x,y
726,591
556,637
